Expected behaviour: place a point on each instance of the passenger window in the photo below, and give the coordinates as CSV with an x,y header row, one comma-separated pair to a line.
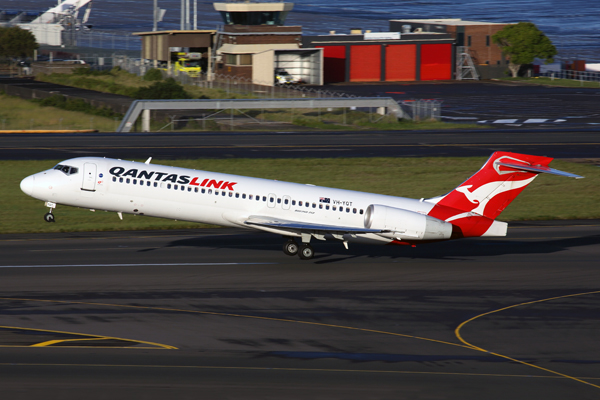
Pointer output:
x,y
196,189
361,211
230,194
114,178
168,186
182,188
307,204
216,192
347,210
293,202
314,205
286,201
334,208
127,180
190,188
243,195
155,184
327,207
300,203
203,190
264,198
148,183
237,195
223,193
278,201
250,197
141,182
175,187
271,199
209,191
320,206
135,181
354,210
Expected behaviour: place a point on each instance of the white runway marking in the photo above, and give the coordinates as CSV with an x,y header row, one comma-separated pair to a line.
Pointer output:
x,y
128,265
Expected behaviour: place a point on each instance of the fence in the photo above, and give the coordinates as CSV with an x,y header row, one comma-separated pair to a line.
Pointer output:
x,y
101,40
422,110
587,76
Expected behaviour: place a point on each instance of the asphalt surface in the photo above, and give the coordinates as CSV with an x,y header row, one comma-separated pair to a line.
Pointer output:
x,y
558,143
96,316
495,102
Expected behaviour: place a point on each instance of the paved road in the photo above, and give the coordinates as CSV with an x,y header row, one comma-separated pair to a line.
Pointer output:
x,y
581,143
496,103
249,322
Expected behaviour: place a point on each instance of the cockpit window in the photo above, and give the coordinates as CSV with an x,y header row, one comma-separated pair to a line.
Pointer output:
x,y
68,170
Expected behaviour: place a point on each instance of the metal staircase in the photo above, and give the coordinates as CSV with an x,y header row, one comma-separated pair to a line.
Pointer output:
x,y
465,69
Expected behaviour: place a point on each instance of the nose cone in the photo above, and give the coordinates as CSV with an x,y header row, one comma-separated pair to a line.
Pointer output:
x,y
27,185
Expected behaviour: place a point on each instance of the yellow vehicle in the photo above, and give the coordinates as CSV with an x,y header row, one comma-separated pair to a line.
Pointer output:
x,y
188,63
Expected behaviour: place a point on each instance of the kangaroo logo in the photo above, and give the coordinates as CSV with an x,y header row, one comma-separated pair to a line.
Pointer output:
x,y
471,196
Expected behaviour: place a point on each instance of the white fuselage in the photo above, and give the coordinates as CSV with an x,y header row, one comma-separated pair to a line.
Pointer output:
x,y
206,197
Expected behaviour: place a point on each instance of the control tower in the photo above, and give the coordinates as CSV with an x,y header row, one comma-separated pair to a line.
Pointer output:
x,y
254,43
247,13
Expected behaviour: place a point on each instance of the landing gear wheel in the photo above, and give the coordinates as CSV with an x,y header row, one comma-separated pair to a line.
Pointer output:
x,y
290,247
306,252
49,217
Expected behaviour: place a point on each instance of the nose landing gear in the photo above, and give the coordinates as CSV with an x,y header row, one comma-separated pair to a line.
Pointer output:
x,y
49,217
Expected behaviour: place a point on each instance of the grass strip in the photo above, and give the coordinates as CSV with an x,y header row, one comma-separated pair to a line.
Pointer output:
x,y
548,197
20,114
542,80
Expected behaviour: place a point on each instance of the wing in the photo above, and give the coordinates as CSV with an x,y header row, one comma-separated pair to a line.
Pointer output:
x,y
303,227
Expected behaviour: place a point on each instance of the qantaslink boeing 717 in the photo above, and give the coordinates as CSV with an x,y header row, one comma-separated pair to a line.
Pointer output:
x,y
299,212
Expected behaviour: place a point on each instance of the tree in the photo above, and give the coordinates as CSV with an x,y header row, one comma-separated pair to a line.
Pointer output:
x,y
523,42
16,42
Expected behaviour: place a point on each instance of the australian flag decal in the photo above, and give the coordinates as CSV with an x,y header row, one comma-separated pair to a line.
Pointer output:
x,y
324,200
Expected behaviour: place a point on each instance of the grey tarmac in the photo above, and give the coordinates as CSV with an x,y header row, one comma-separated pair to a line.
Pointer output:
x,y
224,314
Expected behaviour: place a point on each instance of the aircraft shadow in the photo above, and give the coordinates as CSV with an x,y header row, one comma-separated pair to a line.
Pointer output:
x,y
449,250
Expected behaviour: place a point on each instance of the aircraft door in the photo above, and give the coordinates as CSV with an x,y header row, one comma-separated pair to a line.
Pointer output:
x,y
286,202
89,177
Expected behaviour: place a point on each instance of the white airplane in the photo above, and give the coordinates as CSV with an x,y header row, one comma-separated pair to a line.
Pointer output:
x,y
290,209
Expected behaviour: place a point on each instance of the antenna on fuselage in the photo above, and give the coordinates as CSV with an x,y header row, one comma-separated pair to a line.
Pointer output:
x,y
148,160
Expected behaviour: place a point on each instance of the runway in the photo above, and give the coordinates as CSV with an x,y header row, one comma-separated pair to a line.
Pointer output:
x,y
224,314
558,143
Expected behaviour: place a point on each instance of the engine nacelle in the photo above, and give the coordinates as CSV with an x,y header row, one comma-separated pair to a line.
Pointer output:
x,y
404,224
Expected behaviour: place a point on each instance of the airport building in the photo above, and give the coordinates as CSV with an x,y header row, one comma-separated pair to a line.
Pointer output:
x,y
255,44
471,38
385,56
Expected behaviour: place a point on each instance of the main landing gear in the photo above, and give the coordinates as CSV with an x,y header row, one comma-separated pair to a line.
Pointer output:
x,y
304,251
49,217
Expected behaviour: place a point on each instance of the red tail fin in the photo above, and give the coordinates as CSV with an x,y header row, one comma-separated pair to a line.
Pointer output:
x,y
472,206
495,185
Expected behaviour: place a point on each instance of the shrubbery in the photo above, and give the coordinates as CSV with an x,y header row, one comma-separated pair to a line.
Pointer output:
x,y
80,105
153,74
163,90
